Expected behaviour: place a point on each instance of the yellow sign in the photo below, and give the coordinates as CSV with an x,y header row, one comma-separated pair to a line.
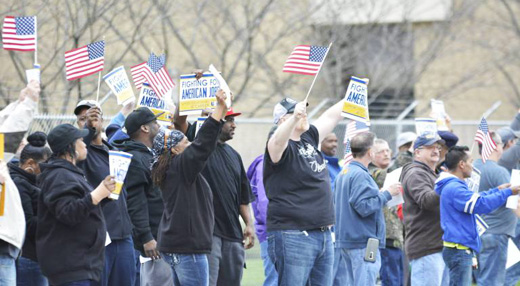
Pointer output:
x,y
355,104
149,98
197,95
118,82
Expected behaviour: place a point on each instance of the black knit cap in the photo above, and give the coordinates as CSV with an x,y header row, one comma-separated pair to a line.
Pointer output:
x,y
139,117
63,135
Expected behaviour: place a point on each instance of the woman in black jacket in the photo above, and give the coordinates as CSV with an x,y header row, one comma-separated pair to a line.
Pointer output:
x,y
186,228
24,176
71,232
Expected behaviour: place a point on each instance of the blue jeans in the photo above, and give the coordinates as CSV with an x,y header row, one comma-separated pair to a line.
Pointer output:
x,y
459,263
271,277
339,272
359,271
119,263
28,273
137,265
492,259
7,270
188,269
302,256
513,273
391,272
429,270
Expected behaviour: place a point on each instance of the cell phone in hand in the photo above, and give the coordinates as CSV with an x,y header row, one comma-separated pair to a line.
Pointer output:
x,y
371,250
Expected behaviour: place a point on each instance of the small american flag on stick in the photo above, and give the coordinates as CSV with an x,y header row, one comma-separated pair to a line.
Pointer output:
x,y
305,60
353,129
85,61
19,33
348,153
484,137
154,73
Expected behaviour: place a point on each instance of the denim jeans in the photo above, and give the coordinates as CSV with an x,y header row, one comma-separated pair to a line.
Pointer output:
x,y
7,270
77,283
459,263
28,273
271,277
188,269
119,263
492,259
513,273
392,264
339,272
429,270
302,256
359,271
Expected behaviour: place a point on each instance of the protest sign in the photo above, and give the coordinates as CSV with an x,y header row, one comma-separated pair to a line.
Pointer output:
x,y
439,114
2,190
119,84
118,163
200,121
512,201
473,182
425,126
222,83
355,105
482,226
393,178
513,254
33,74
197,95
148,98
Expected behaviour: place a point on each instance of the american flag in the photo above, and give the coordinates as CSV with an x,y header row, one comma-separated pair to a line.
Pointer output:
x,y
305,60
348,153
353,129
155,74
85,61
19,33
137,74
483,137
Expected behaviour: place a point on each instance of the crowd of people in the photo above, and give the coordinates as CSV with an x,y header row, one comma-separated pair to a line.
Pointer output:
x,y
318,221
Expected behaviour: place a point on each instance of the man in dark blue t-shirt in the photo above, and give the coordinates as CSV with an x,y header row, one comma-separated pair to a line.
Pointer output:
x,y
297,184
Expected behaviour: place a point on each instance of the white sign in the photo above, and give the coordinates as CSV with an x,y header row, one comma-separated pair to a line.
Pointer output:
x,y
118,82
355,103
223,84
425,126
149,98
393,178
473,182
118,164
199,123
33,74
513,254
439,114
512,201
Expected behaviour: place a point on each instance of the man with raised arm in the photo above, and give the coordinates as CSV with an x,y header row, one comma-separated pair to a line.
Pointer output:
x,y
297,184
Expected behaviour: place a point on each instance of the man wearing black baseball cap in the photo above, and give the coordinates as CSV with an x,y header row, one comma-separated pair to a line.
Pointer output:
x,y
145,203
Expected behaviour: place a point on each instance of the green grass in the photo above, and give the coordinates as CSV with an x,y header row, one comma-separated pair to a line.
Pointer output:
x,y
254,273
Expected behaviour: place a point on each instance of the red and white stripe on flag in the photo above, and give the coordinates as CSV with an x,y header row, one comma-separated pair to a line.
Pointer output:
x,y
305,59
161,82
137,74
483,136
19,33
85,61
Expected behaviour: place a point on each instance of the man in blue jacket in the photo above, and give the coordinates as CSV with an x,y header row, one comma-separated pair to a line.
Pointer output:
x,y
359,213
459,207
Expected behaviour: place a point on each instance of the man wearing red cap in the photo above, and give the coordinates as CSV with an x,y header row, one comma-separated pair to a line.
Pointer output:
x,y
226,175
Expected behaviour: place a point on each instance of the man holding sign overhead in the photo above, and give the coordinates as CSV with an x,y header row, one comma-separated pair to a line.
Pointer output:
x,y
300,201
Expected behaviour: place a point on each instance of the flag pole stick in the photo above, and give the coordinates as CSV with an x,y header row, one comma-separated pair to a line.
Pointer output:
x,y
98,84
36,41
316,76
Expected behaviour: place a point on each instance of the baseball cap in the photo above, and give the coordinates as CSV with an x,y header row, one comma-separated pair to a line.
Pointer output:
x,y
282,108
450,138
506,134
427,139
63,135
86,103
139,117
231,113
405,137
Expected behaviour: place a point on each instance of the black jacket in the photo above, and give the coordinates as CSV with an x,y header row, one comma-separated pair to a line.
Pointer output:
x,y
71,232
96,168
29,192
144,201
188,220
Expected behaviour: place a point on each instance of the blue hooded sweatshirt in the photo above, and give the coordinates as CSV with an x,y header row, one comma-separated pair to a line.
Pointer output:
x,y
459,205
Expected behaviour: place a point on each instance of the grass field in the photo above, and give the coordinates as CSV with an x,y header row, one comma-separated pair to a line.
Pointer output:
x,y
254,273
